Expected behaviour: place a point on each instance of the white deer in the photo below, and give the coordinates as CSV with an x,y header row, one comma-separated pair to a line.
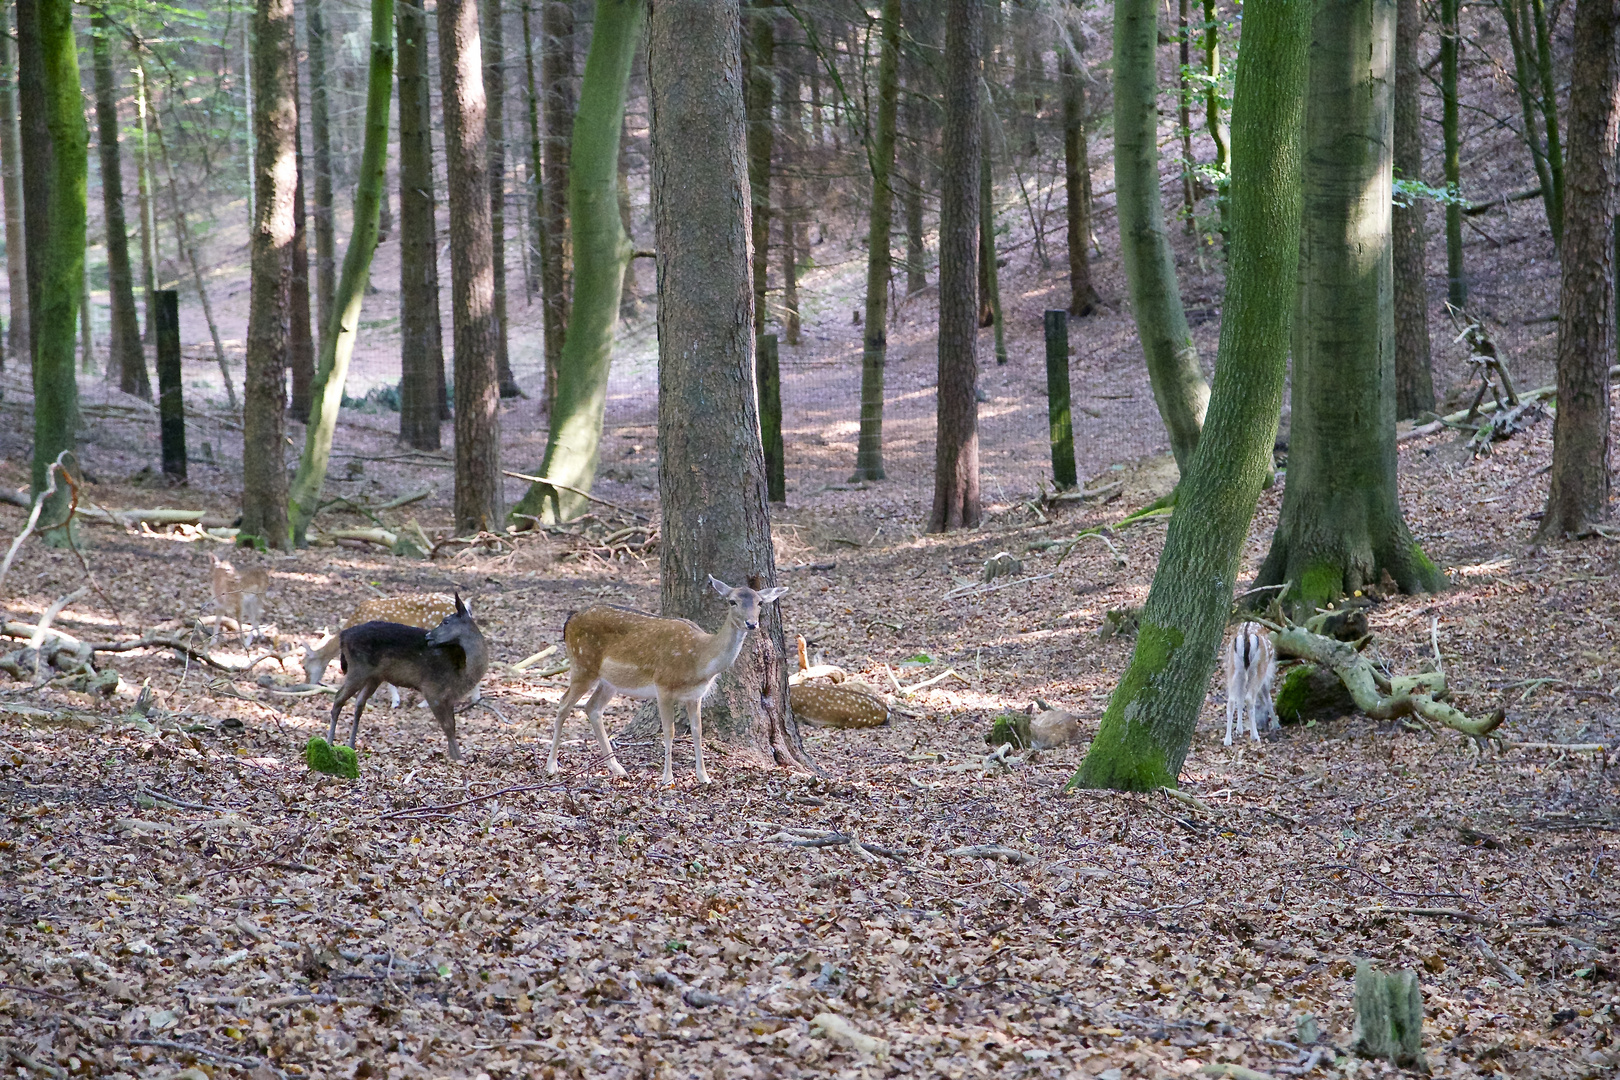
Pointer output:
x,y
614,650
1251,664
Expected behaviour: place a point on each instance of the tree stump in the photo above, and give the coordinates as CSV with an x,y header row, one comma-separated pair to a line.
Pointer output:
x,y
1389,1017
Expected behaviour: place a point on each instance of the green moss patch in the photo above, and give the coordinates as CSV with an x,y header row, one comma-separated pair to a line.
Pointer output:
x,y
323,757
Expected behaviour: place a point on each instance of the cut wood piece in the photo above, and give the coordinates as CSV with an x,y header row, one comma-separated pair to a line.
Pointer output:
x,y
1389,1017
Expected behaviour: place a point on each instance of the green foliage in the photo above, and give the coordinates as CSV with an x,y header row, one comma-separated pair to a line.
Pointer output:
x,y
1410,192
323,757
377,399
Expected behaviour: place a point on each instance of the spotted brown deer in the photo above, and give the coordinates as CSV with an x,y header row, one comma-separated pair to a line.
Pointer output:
x,y
239,594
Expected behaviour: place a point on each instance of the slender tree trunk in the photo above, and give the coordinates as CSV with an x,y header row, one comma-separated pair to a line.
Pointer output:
x,y
125,357
495,89
1189,180
146,204
472,294
275,136
320,124
534,204
573,443
956,439
1150,268
1516,13
301,333
1213,119
760,68
874,351
1579,494
1456,282
38,161
557,78
1148,726
711,466
87,344
422,389
1414,383
790,163
989,272
911,194
1341,526
1083,297
629,295
11,190
1549,113
337,345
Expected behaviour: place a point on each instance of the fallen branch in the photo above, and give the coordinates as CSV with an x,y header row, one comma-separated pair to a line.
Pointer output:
x,y
582,494
51,472
197,1050
946,674
411,811
817,838
1233,1072
1543,393
44,625
991,851
1430,913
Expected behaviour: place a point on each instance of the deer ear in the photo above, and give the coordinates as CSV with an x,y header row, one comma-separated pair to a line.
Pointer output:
x,y
773,594
461,609
719,586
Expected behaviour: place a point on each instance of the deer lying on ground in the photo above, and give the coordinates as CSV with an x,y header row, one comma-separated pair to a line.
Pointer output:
x,y
614,650
426,610
444,663
1251,664
239,594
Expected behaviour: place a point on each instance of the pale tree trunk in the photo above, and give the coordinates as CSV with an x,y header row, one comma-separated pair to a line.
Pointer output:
x,y
422,390
472,295
11,191
301,341
146,203
875,343
320,123
275,137
1341,526
1083,297
1148,726
557,80
337,344
495,90
956,436
711,466
1579,494
573,442
1150,269
1414,382
629,294
125,358
760,79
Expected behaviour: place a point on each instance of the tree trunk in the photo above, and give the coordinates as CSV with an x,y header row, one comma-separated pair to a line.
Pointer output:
x,y
1143,738
534,203
1456,283
495,91
275,136
1414,383
629,294
11,190
472,295
557,78
1212,107
956,438
301,339
1083,299
1189,179
87,344
790,165
989,272
760,77
912,197
38,163
146,204
125,357
1549,113
421,391
875,344
1516,13
320,112
711,467
1150,269
573,443
1341,526
1579,493
337,345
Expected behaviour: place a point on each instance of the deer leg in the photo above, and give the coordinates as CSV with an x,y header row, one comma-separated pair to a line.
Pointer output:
x,y
694,710
345,692
666,714
359,706
393,696
576,690
1232,704
445,713
593,711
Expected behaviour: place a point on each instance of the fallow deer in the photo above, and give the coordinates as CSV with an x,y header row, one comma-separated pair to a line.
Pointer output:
x,y
1251,664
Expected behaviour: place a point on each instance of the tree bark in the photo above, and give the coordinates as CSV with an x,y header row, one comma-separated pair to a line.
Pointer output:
x,y
1341,526
790,164
495,89
275,136
1516,13
912,197
146,203
534,204
1578,497
1150,269
1549,113
11,190
989,273
1083,298
557,78
320,122
472,295
1189,179
1148,726
760,77
629,294
38,161
1450,38
1414,382
125,357
875,343
301,331
1216,124
956,439
337,345
601,251
422,390
711,467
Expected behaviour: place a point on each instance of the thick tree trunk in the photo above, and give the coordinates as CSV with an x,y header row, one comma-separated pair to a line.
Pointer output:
x,y
1414,382
1143,738
301,331
320,123
337,345
275,137
1150,268
1579,494
125,357
956,438
573,443
472,294
557,78
1083,297
1341,526
711,466
1450,39
875,344
422,390
11,190
495,90
760,79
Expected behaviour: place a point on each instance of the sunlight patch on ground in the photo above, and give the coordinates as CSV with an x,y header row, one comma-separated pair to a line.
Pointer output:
x,y
1495,566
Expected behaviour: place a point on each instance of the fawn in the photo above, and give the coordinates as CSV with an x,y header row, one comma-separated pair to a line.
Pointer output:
x,y
1251,664
239,594
420,609
614,650
444,663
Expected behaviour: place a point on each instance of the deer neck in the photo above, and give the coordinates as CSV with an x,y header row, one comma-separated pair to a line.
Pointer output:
x,y
727,641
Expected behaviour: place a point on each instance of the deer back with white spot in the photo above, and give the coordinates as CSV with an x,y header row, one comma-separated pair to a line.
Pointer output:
x,y
426,610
